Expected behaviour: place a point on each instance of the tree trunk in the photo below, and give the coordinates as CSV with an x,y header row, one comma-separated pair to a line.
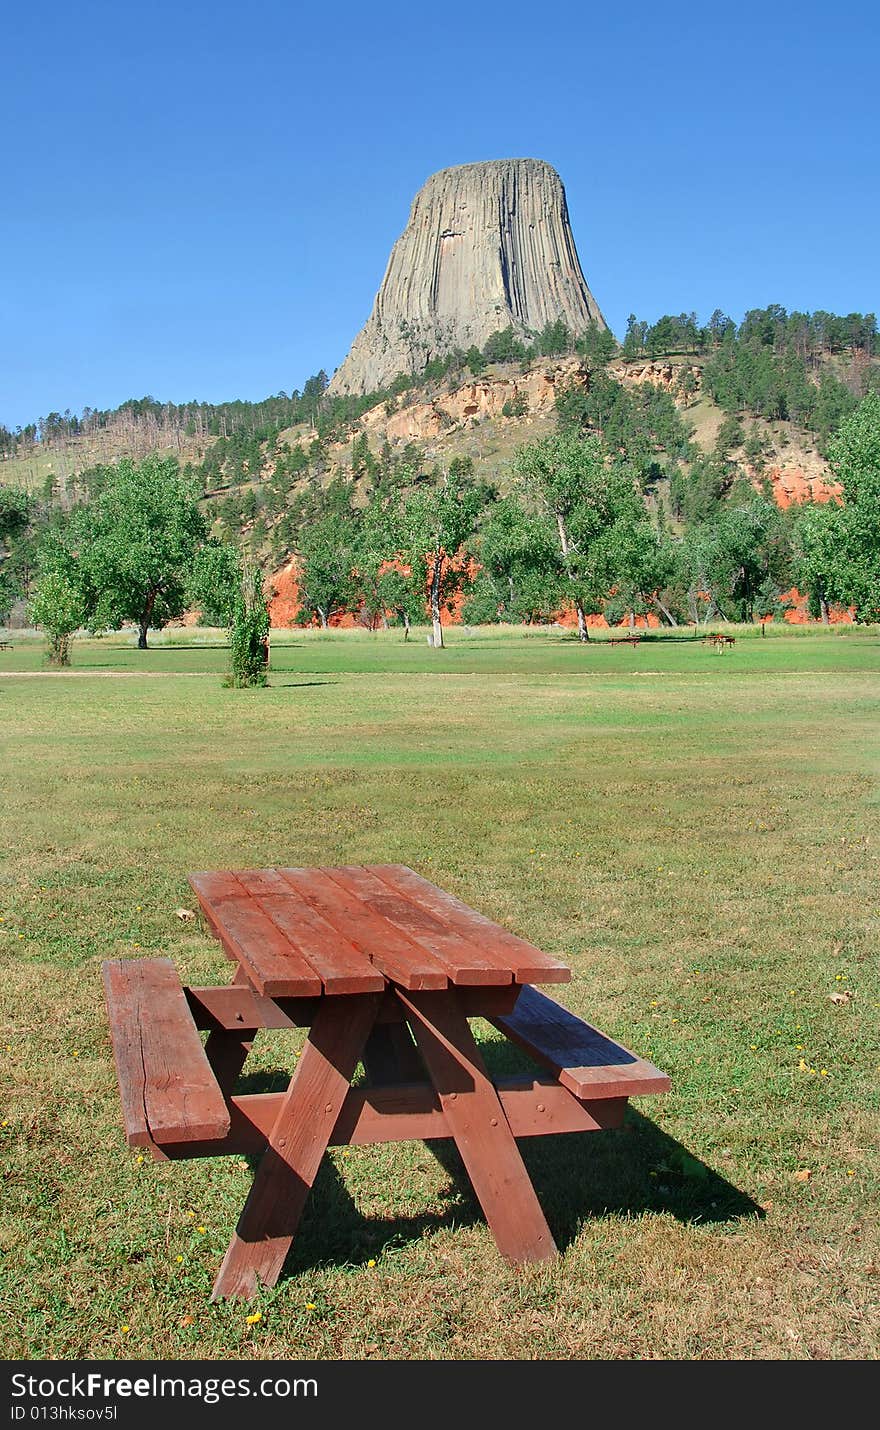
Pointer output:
x,y
664,612
144,625
405,626
823,607
632,620
436,577
322,617
583,631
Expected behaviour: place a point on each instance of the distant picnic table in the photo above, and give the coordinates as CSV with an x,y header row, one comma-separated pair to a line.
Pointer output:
x,y
631,638
719,639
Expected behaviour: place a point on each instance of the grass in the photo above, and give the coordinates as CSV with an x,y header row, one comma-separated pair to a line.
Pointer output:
x,y
697,834
479,650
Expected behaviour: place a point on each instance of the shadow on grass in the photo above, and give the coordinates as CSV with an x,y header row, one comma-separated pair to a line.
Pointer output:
x,y
186,648
632,1171
298,684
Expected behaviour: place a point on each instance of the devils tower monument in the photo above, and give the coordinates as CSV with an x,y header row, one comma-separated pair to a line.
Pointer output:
x,y
487,246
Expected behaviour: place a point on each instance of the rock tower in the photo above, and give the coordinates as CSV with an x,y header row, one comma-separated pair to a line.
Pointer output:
x,y
487,246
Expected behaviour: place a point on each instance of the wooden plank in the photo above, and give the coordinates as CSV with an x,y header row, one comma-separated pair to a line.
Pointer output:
x,y
527,964
411,1112
261,881
341,966
166,1085
236,1008
211,888
251,938
464,960
587,1062
213,885
399,958
481,1131
297,1142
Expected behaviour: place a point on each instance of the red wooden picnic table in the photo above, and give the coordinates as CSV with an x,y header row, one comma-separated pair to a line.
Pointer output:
x,y
385,969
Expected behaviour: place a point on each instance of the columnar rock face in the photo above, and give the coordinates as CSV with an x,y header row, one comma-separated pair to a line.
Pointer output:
x,y
488,246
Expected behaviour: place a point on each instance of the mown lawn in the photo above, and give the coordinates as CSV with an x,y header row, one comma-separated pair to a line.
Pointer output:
x,y
697,834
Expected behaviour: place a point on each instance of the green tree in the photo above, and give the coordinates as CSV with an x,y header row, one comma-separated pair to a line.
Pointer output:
x,y
518,552
597,345
136,542
819,540
634,338
743,549
643,561
328,560
433,525
7,596
58,607
398,594
845,539
503,346
591,502
554,339
249,632
214,582
16,514
372,549
474,360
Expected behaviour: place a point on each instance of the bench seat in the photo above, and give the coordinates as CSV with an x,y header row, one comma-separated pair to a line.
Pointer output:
x,y
584,1060
168,1091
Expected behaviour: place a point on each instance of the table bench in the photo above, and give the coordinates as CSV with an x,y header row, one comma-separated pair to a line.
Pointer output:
x,y
623,640
385,969
5,645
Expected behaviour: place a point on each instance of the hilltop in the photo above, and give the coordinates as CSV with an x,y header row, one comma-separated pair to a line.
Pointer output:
x,y
488,248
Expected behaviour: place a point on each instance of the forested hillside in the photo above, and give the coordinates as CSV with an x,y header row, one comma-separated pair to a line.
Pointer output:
x,y
715,426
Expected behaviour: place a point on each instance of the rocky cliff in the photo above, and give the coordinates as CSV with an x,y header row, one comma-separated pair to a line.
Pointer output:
x,y
487,246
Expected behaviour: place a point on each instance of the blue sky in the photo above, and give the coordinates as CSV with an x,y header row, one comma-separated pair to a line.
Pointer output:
x,y
200,198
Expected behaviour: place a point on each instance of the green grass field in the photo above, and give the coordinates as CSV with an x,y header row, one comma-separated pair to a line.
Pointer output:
x,y
696,833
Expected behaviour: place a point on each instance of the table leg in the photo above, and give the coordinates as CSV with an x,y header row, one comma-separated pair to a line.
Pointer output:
x,y
227,1050
479,1126
297,1143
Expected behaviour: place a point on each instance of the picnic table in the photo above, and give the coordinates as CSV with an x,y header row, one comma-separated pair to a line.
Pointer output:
x,y
624,640
384,968
719,639
5,645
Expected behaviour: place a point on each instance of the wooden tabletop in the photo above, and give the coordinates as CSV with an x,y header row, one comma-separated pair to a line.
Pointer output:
x,y
306,932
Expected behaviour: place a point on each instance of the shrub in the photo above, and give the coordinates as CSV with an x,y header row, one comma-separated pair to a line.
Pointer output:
x,y
249,633
517,406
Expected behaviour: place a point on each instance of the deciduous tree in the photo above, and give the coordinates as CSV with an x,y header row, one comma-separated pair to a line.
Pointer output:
x,y
432,526
591,502
136,542
58,607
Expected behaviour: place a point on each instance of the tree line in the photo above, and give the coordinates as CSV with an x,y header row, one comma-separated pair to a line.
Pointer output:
x,y
572,531
812,336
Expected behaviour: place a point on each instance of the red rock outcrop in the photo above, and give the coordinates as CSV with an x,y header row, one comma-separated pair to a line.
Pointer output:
x,y
792,485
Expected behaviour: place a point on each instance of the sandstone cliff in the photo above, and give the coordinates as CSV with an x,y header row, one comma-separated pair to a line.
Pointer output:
x,y
487,246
